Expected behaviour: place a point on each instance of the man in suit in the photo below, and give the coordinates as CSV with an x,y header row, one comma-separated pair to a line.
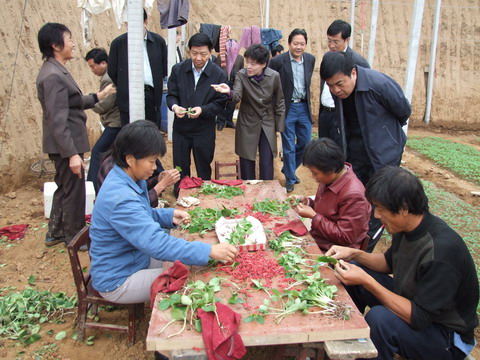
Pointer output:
x,y
155,69
107,109
65,137
338,35
195,104
295,68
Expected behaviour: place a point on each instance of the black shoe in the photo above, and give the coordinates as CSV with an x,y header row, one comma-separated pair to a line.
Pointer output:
x,y
297,181
230,125
52,241
220,126
289,187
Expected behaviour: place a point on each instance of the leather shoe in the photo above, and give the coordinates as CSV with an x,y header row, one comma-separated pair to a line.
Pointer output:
x,y
297,181
52,241
220,126
289,187
230,125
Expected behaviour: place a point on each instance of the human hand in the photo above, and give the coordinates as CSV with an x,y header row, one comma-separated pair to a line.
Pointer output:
x,y
223,252
195,112
294,200
167,178
179,111
350,274
341,252
221,88
305,211
107,91
77,165
180,217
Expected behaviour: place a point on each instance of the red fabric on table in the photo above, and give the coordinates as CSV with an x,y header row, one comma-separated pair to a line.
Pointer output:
x,y
170,280
14,232
190,182
222,343
227,182
295,226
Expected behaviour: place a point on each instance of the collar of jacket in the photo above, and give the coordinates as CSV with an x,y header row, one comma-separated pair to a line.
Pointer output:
x,y
139,186
362,81
58,64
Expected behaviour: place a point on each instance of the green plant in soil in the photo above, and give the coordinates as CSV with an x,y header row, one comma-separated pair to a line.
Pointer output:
x,y
459,158
273,207
23,313
241,232
221,191
204,219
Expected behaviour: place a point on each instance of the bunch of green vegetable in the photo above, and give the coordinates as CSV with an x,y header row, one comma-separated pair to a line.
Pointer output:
x,y
241,232
204,219
221,191
274,207
284,241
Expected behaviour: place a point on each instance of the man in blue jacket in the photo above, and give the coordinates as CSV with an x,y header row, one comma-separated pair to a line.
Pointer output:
x,y
370,112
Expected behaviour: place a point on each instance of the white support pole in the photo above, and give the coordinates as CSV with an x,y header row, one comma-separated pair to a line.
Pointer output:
x,y
172,59
433,54
352,22
415,31
267,14
135,60
373,32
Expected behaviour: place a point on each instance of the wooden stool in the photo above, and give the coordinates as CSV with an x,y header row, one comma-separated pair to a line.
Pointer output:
x,y
219,165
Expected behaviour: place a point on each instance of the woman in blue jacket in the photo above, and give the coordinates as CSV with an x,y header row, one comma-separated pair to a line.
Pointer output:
x,y
128,240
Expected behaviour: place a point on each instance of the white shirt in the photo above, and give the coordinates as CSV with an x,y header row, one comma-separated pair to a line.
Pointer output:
x,y
147,70
197,74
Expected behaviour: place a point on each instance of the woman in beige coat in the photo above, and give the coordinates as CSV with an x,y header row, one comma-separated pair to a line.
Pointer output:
x,y
261,115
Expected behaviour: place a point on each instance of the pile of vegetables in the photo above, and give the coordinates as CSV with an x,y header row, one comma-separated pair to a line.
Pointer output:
x,y
204,219
221,191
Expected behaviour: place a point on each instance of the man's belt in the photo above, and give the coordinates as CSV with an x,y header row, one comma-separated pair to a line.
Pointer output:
x,y
328,109
148,88
296,101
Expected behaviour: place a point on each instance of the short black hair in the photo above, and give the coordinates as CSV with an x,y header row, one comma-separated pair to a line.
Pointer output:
x,y
296,32
340,26
258,53
145,15
141,139
277,49
49,35
397,189
200,39
325,155
98,55
335,62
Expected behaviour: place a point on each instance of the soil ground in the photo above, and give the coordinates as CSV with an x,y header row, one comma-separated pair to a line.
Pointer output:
x,y
51,266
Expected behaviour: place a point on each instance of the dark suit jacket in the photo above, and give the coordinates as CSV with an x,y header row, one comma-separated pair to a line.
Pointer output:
x,y
282,64
182,91
118,67
63,104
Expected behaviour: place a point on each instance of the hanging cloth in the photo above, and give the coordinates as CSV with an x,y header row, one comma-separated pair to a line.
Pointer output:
x,y
250,36
224,32
90,7
173,13
232,50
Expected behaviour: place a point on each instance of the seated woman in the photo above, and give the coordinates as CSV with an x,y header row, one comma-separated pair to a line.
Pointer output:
x,y
340,211
262,112
128,243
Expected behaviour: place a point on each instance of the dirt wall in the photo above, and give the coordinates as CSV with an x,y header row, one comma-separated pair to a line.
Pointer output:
x,y
455,102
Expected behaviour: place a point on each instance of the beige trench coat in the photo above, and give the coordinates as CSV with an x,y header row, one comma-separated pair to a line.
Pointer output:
x,y
262,107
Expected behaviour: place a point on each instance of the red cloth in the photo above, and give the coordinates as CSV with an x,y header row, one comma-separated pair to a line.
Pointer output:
x,y
295,226
228,182
170,280
190,182
88,218
14,232
223,343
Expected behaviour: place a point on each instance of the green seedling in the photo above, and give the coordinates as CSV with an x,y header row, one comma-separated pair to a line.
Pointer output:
x,y
178,168
273,207
241,232
204,219
221,191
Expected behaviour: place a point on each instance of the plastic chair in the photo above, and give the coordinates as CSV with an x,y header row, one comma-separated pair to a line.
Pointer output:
x,y
89,298
219,165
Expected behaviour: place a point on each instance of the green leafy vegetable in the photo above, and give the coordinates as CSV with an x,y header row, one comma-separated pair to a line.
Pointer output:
x,y
274,207
221,191
204,219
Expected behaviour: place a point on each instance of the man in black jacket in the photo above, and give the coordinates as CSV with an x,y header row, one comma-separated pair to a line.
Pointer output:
x,y
195,104
338,38
427,310
155,57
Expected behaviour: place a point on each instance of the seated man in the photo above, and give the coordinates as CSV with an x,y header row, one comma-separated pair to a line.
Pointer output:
x,y
340,211
428,309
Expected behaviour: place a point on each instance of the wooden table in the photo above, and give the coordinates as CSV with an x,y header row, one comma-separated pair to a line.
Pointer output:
x,y
294,329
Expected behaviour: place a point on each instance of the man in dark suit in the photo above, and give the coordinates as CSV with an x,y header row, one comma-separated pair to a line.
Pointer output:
x,y
195,104
295,68
65,137
155,60
338,35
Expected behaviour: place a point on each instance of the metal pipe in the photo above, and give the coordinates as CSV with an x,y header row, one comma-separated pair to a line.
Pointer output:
x,y
267,14
352,22
373,32
172,59
433,55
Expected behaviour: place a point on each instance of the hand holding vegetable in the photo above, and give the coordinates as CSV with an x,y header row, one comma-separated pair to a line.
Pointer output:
x,y
350,274
223,252
179,111
194,112
221,88
294,200
342,252
305,211
180,217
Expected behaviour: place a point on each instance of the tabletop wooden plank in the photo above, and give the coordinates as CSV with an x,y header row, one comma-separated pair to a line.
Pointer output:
x,y
297,328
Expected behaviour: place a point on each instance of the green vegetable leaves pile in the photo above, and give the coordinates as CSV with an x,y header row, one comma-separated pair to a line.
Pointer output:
x,y
241,232
221,191
204,219
274,207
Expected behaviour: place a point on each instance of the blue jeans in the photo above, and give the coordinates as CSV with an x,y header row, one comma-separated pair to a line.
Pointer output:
x,y
103,144
391,335
297,134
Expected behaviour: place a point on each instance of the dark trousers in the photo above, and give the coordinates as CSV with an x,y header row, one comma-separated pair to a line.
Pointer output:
x,y
152,113
67,217
203,148
103,144
326,125
225,116
391,335
265,156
